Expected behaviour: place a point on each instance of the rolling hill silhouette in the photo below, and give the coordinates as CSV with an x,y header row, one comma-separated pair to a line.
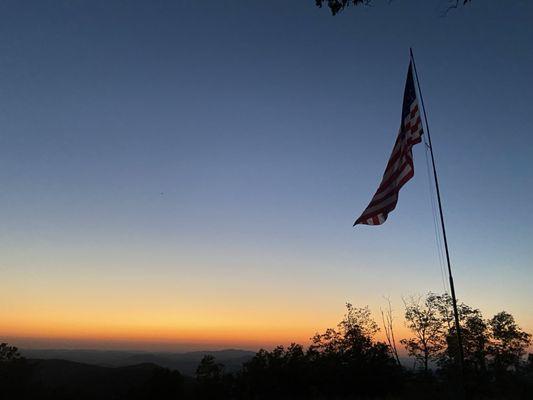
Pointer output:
x,y
185,363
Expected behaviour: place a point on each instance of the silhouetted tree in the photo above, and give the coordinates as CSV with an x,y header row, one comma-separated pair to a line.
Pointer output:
x,y
508,342
475,339
474,334
353,334
348,358
424,319
209,370
209,376
8,353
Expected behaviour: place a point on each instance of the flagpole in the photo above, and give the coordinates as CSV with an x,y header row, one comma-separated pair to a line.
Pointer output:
x,y
452,288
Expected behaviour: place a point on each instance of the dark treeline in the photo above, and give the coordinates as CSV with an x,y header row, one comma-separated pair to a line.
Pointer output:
x,y
345,362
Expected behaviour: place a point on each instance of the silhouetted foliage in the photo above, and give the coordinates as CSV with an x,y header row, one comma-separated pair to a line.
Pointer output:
x,y
341,362
336,6
508,343
425,321
8,353
209,371
210,378
492,348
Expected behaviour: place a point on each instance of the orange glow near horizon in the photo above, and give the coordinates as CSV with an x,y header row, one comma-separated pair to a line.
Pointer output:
x,y
172,314
163,332
164,339
143,315
114,307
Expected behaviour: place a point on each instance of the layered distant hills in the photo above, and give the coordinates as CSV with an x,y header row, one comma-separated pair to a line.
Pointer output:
x,y
186,363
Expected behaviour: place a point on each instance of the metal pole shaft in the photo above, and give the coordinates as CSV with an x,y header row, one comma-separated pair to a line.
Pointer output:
x,y
452,288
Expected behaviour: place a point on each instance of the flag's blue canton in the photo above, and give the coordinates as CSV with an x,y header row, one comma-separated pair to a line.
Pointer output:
x,y
409,94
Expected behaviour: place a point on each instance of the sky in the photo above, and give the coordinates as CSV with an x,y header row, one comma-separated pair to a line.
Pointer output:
x,y
185,174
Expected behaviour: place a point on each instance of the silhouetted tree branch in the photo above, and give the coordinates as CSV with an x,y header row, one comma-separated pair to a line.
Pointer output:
x,y
387,318
337,6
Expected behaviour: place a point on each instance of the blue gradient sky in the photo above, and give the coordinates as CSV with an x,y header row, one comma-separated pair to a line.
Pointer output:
x,y
266,125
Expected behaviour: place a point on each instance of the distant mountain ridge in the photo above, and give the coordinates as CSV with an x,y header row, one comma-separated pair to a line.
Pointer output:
x,y
186,363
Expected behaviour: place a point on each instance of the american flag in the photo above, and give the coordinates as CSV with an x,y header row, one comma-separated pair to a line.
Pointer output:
x,y
400,167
